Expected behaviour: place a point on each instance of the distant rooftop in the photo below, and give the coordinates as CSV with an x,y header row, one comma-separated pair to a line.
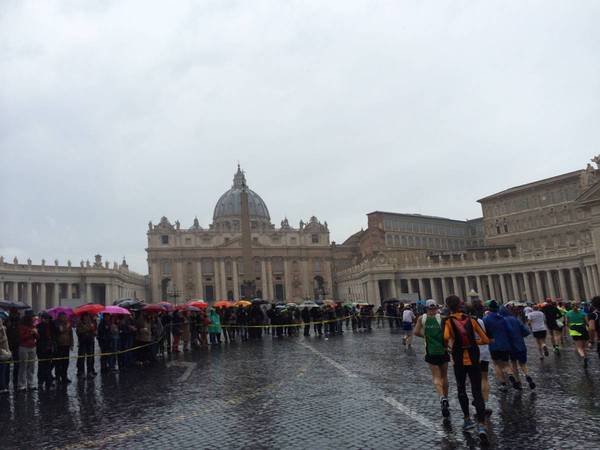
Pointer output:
x,y
423,216
523,187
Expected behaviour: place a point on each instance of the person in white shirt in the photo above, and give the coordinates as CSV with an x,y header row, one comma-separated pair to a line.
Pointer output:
x,y
537,323
408,319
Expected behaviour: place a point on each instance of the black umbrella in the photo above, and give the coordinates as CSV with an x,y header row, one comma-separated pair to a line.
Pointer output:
x,y
131,303
9,304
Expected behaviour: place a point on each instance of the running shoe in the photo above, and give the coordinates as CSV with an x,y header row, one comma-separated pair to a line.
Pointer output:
x,y
515,384
468,425
483,437
556,350
445,407
530,382
546,352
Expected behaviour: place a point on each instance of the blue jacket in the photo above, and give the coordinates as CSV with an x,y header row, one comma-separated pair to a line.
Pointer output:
x,y
496,327
517,330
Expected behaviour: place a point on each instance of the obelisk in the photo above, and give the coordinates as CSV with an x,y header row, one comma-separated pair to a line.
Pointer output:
x,y
248,284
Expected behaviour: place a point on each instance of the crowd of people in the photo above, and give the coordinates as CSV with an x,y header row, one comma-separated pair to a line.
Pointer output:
x,y
473,334
469,334
148,332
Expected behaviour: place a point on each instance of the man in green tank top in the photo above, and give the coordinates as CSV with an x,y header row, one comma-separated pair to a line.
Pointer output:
x,y
429,326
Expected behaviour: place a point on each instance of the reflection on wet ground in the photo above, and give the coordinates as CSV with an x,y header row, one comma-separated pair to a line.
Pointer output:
x,y
351,391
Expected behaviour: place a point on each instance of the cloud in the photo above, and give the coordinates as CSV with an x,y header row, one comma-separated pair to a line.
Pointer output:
x,y
116,113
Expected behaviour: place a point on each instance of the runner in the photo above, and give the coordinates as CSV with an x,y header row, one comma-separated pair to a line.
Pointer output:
x,y
594,324
501,346
484,362
554,322
430,327
518,354
459,335
576,321
537,323
408,318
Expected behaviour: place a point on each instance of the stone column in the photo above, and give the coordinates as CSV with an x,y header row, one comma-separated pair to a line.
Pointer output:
x,y
564,294
29,293
156,288
456,286
263,279
467,285
479,287
595,278
200,282
43,302
270,288
574,284
223,278
503,289
372,292
286,281
528,292
538,287
444,289
109,296
305,278
394,284
409,285
236,281
434,291
587,285
55,295
515,286
69,291
15,291
216,279
491,287
551,286
422,293
2,290
88,292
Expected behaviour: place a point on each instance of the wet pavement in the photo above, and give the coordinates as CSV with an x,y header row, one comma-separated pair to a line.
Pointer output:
x,y
352,391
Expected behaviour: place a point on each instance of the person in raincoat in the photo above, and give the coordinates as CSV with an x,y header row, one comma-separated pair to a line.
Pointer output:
x,y
214,329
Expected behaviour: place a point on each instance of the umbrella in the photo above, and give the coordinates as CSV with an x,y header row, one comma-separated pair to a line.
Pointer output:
x,y
292,305
9,304
329,302
3,315
166,305
130,303
308,305
242,303
223,304
55,312
280,306
187,308
155,307
91,308
116,310
198,304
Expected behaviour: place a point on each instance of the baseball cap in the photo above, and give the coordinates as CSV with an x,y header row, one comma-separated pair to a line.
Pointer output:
x,y
431,304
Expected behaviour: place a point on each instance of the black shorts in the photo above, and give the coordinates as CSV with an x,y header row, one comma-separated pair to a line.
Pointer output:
x,y
500,355
540,334
437,360
485,365
554,327
580,338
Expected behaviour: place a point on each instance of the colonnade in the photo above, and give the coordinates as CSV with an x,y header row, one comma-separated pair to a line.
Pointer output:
x,y
569,283
44,295
292,278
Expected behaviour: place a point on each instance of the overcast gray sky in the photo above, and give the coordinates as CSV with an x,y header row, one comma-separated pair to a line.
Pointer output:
x,y
114,113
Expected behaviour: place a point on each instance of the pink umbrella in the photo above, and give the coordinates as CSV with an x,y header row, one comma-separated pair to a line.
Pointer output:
x,y
117,310
54,312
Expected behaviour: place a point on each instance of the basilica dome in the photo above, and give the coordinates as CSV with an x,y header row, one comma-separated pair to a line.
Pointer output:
x,y
229,205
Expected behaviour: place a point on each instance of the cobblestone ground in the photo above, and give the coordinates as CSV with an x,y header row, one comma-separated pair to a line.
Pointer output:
x,y
352,391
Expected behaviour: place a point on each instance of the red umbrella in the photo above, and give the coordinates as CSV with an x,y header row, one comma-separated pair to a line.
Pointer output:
x,y
155,307
198,304
223,304
91,308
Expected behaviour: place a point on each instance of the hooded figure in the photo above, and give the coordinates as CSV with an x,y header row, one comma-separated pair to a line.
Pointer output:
x,y
497,329
517,331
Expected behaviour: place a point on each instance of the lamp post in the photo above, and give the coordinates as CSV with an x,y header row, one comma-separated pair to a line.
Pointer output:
x,y
173,293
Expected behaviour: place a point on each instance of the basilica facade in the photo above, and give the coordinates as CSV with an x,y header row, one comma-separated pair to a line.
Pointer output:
x,y
289,263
